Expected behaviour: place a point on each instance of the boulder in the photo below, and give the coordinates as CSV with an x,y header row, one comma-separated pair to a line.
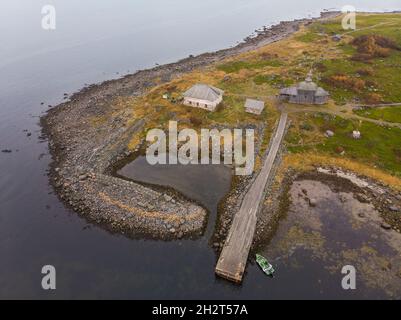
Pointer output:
x,y
362,198
386,226
83,177
167,197
313,202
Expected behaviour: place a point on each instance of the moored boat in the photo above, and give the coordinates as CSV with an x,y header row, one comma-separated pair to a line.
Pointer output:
x,y
265,265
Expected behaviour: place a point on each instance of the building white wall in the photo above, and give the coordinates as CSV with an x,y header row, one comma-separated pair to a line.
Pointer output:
x,y
202,104
253,111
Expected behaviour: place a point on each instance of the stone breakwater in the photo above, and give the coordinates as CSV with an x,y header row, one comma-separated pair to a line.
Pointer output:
x,y
83,152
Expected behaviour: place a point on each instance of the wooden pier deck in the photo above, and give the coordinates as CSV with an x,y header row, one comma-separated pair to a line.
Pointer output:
x,y
234,256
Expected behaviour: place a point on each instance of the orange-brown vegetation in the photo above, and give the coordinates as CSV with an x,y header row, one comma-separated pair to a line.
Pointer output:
x,y
346,82
373,98
196,121
373,46
365,72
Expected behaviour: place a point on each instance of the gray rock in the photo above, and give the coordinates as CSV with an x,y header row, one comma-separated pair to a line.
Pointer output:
x,y
386,226
167,197
313,202
394,209
362,198
83,177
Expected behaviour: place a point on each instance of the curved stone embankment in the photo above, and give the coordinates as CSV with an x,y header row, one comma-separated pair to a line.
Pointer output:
x,y
83,151
82,156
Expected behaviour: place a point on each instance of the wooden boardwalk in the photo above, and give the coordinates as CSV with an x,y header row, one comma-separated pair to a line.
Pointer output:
x,y
234,256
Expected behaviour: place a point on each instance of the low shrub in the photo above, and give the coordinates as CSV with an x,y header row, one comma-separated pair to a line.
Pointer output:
x,y
365,72
373,98
373,46
196,121
346,82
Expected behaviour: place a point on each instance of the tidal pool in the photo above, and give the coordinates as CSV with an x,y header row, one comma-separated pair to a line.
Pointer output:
x,y
206,184
314,243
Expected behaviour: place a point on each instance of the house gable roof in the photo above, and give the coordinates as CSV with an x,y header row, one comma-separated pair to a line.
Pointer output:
x,y
204,92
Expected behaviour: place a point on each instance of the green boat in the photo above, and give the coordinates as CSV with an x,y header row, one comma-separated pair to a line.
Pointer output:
x,y
265,265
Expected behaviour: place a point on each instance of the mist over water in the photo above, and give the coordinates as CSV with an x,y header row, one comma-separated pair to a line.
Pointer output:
x,y
97,40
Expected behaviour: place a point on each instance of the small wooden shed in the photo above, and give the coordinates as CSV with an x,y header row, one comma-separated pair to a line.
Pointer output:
x,y
254,106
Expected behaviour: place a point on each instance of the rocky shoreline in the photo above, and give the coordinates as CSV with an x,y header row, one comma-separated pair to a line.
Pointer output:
x,y
83,153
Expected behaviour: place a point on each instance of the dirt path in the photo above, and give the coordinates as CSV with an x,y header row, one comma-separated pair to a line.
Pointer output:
x,y
370,27
346,115
378,106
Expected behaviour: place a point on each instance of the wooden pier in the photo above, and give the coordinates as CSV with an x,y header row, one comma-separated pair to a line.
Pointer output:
x,y
234,256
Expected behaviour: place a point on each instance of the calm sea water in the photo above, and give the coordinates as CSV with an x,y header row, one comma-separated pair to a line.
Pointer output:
x,y
97,40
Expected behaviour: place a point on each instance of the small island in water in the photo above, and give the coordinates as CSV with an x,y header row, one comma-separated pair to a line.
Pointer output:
x,y
341,137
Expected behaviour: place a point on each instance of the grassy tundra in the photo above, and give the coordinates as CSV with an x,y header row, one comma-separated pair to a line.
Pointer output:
x,y
363,68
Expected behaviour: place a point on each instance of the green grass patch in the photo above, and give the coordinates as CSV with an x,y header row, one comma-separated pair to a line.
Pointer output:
x,y
387,71
236,66
309,37
382,23
379,146
389,114
273,80
386,78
